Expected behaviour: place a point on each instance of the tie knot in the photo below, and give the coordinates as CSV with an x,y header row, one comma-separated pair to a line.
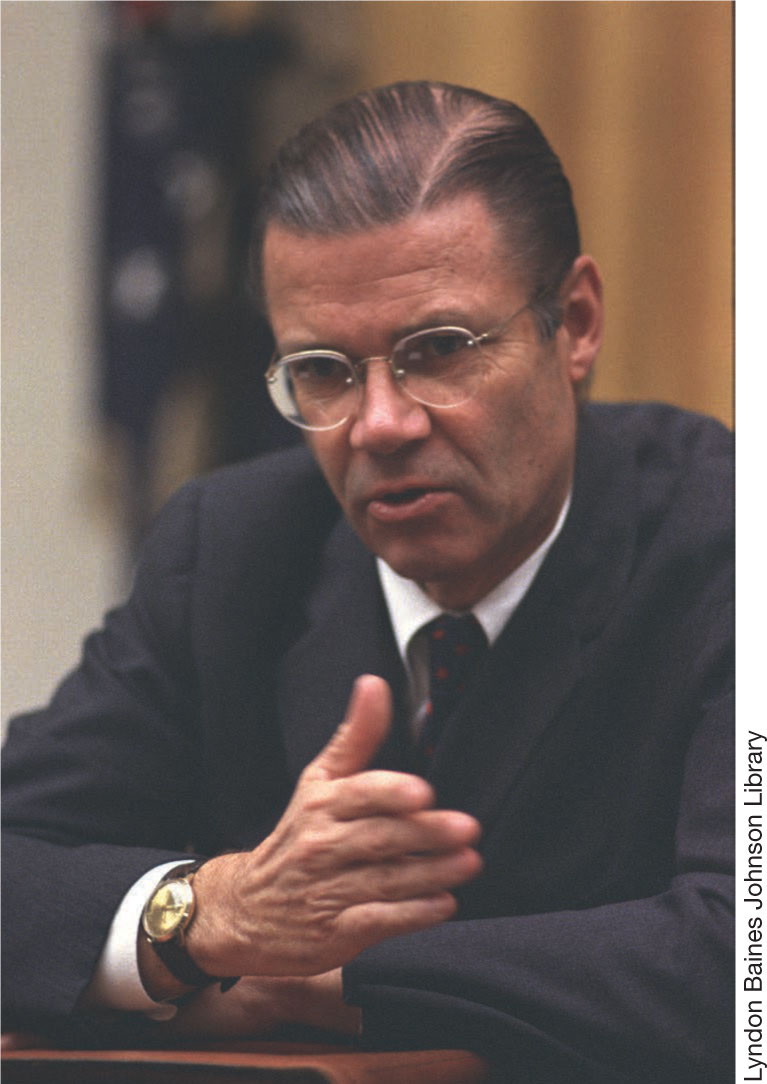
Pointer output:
x,y
457,634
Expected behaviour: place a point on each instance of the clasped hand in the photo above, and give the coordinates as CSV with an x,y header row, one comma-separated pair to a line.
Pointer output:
x,y
358,856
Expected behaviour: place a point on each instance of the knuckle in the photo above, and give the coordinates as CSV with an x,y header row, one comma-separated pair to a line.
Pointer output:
x,y
410,791
389,881
313,797
313,852
394,791
378,839
378,847
324,900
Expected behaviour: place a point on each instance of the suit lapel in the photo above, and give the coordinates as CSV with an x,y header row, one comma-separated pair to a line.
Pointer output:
x,y
341,631
487,743
537,662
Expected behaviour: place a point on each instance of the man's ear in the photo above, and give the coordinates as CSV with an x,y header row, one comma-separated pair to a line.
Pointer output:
x,y
582,317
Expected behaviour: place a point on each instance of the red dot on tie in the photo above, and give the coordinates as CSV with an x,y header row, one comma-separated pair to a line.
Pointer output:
x,y
438,634
441,673
461,649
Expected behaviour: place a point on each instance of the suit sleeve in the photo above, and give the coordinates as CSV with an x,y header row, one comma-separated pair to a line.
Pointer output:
x,y
639,989
95,780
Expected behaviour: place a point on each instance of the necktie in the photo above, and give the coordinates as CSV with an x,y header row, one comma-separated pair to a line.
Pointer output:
x,y
456,644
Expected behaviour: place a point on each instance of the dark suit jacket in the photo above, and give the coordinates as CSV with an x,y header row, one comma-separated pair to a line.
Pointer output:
x,y
595,746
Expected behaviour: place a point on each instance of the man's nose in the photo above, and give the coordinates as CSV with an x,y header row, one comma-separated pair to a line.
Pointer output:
x,y
387,417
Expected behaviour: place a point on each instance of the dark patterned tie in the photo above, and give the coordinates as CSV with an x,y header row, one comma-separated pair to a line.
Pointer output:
x,y
456,644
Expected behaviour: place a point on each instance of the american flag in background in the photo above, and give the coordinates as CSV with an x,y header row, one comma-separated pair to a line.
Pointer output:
x,y
183,346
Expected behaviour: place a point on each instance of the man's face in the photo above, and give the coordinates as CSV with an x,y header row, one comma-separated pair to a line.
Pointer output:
x,y
452,498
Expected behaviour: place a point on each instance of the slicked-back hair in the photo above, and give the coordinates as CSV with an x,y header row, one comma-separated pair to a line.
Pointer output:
x,y
395,151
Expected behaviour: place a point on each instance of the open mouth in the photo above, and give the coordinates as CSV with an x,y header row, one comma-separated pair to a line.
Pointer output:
x,y
404,496
401,505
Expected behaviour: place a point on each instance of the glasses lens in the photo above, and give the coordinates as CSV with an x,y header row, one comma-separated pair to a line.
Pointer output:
x,y
439,367
315,391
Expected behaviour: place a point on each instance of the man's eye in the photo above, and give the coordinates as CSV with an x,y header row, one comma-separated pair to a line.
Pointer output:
x,y
442,344
433,351
317,369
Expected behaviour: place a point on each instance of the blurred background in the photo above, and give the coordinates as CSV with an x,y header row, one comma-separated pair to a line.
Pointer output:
x,y
132,138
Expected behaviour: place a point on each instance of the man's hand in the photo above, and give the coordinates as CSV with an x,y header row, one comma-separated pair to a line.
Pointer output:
x,y
358,856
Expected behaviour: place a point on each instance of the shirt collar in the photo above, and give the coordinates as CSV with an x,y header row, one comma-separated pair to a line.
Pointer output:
x,y
410,608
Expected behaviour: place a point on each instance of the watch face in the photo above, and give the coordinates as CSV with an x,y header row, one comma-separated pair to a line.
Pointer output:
x,y
168,910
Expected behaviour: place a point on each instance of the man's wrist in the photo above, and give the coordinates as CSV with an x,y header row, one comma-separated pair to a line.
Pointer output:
x,y
117,982
159,983
210,934
170,912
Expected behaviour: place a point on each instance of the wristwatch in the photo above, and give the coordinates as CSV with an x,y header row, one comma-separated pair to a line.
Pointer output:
x,y
165,919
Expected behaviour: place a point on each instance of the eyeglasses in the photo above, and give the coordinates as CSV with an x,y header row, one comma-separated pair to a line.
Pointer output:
x,y
441,367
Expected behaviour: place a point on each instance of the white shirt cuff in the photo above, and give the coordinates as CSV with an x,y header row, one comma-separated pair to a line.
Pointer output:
x,y
116,982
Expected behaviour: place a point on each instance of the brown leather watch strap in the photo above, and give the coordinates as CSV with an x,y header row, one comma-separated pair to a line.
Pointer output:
x,y
173,954
181,965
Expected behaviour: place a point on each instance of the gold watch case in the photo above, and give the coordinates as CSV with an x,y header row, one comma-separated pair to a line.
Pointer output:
x,y
169,910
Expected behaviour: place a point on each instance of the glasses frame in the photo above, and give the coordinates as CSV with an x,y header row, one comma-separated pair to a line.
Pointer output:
x,y
357,370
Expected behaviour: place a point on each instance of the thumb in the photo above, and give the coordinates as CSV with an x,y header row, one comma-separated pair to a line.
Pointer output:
x,y
364,729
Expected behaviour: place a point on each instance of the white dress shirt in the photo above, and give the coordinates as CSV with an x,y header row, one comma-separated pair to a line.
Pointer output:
x,y
116,983
410,609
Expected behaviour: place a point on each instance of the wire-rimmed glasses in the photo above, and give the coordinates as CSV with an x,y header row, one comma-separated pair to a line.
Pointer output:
x,y
439,367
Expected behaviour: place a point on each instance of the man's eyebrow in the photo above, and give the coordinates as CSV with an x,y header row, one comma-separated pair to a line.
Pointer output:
x,y
442,317
299,346
439,318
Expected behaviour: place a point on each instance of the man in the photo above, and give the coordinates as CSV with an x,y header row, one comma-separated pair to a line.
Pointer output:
x,y
547,878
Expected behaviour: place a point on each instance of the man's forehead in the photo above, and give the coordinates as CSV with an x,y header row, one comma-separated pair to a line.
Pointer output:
x,y
456,242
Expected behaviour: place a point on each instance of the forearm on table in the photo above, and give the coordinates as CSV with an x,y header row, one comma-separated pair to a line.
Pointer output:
x,y
257,1006
131,976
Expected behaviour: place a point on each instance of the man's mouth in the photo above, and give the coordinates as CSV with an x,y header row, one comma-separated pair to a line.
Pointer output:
x,y
403,496
410,502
